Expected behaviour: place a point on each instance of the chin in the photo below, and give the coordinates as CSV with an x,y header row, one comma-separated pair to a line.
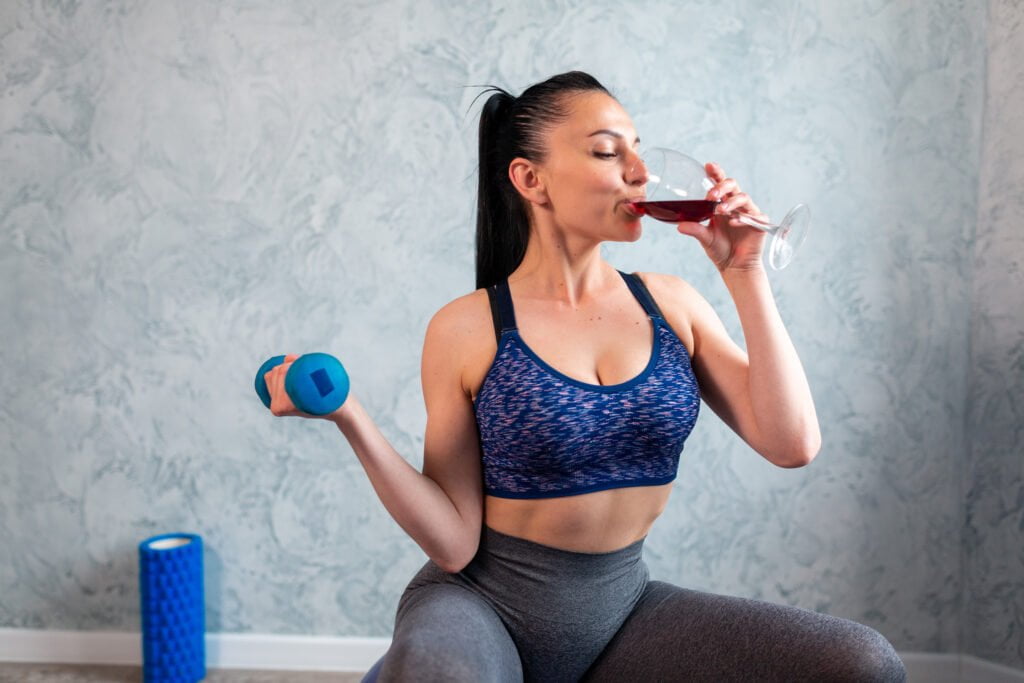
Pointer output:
x,y
636,231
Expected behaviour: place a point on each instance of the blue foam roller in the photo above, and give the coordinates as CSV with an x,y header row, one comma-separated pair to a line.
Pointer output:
x,y
317,383
173,620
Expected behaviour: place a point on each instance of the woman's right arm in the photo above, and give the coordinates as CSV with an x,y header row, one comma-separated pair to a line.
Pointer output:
x,y
442,507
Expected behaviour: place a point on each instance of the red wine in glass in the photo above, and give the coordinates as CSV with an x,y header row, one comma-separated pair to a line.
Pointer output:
x,y
674,191
676,211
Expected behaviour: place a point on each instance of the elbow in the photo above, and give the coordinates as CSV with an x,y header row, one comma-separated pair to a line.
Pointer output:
x,y
452,567
460,557
458,568
799,454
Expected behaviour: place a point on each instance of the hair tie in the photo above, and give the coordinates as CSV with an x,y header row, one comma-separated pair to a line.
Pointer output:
x,y
498,104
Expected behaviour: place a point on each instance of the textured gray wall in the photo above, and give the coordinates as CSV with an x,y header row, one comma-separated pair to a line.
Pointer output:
x,y
190,188
994,471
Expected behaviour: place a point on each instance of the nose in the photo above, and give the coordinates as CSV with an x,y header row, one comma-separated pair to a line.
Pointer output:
x,y
637,173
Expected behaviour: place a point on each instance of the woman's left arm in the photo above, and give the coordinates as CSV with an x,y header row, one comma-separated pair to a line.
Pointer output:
x,y
778,394
762,394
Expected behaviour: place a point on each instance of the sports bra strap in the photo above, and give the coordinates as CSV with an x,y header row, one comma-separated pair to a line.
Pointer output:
x,y
501,309
639,289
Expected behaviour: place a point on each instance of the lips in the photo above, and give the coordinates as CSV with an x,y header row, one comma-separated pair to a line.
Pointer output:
x,y
627,203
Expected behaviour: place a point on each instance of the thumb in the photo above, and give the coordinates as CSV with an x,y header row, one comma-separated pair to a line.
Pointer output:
x,y
697,230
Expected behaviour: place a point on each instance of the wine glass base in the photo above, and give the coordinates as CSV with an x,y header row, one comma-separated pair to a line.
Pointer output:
x,y
789,236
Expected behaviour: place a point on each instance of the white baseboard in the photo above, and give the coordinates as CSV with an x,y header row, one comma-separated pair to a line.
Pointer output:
x,y
223,650
974,669
328,653
931,667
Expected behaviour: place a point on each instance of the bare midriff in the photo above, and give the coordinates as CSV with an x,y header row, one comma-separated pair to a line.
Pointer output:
x,y
598,522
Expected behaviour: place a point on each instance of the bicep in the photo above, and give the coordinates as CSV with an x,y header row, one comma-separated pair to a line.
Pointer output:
x,y
451,451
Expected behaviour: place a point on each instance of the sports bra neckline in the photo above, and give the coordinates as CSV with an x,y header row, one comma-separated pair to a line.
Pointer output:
x,y
508,331
544,365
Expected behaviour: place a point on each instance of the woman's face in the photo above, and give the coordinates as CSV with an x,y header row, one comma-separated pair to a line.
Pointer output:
x,y
591,170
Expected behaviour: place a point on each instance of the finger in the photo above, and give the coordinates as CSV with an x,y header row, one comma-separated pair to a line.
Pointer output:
x,y
281,403
282,366
736,222
740,201
279,399
714,171
723,188
273,379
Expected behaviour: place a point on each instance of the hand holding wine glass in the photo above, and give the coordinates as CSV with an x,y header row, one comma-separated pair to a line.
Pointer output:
x,y
681,190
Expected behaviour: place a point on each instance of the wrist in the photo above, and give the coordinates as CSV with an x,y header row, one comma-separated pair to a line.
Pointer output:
x,y
747,284
345,414
743,274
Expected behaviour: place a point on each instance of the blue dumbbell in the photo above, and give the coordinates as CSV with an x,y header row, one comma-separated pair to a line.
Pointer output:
x,y
316,383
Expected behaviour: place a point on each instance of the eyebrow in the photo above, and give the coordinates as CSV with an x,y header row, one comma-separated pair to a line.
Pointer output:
x,y
613,133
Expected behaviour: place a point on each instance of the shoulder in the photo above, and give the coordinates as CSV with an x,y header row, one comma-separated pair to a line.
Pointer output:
x,y
462,317
462,331
669,285
679,301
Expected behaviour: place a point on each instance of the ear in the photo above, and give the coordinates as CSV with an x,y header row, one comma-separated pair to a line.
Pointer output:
x,y
526,178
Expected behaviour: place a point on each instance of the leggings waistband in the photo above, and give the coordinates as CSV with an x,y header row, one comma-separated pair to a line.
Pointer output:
x,y
502,549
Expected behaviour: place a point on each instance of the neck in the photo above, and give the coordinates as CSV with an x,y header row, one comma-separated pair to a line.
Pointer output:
x,y
562,267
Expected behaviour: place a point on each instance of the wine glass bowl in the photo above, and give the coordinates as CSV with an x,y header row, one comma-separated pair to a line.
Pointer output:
x,y
676,191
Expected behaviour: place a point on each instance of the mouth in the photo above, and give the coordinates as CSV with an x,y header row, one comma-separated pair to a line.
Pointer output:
x,y
628,204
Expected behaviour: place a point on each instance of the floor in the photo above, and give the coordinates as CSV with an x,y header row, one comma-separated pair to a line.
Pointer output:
x,y
74,673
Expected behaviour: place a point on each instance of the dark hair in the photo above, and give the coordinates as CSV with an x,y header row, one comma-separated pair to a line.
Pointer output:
x,y
513,127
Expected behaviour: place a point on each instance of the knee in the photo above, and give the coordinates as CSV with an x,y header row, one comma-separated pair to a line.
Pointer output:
x,y
421,658
867,656
415,658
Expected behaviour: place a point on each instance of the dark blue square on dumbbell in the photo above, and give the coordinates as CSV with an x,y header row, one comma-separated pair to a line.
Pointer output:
x,y
322,381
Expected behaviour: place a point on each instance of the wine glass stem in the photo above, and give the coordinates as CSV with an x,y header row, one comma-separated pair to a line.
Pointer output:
x,y
754,223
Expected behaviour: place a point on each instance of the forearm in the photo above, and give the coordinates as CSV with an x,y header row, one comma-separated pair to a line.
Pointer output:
x,y
781,402
414,500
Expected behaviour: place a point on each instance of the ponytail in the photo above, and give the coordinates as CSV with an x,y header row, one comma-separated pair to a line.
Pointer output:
x,y
512,127
502,225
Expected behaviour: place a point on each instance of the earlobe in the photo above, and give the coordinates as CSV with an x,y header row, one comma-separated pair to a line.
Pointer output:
x,y
527,181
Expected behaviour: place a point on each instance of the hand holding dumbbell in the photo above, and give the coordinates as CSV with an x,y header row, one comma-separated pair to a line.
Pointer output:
x,y
315,384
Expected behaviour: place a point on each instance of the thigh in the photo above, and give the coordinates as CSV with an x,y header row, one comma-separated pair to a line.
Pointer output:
x,y
444,632
678,634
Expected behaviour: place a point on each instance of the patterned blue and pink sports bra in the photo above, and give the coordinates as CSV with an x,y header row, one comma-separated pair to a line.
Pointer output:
x,y
544,434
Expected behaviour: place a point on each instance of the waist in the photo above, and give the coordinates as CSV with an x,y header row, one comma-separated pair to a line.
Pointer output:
x,y
599,522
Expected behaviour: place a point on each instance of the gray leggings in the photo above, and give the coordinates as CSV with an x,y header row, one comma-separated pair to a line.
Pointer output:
x,y
522,611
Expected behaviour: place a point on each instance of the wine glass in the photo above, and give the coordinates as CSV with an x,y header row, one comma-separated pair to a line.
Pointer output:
x,y
676,191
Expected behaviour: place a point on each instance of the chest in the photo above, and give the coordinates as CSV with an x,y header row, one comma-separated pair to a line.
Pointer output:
x,y
602,348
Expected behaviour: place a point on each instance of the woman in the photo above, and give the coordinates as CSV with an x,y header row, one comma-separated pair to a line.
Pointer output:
x,y
558,397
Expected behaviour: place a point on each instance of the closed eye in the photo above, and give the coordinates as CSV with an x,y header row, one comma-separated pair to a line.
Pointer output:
x,y
605,155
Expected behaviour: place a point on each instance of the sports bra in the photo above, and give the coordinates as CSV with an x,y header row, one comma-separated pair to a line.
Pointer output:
x,y
544,434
